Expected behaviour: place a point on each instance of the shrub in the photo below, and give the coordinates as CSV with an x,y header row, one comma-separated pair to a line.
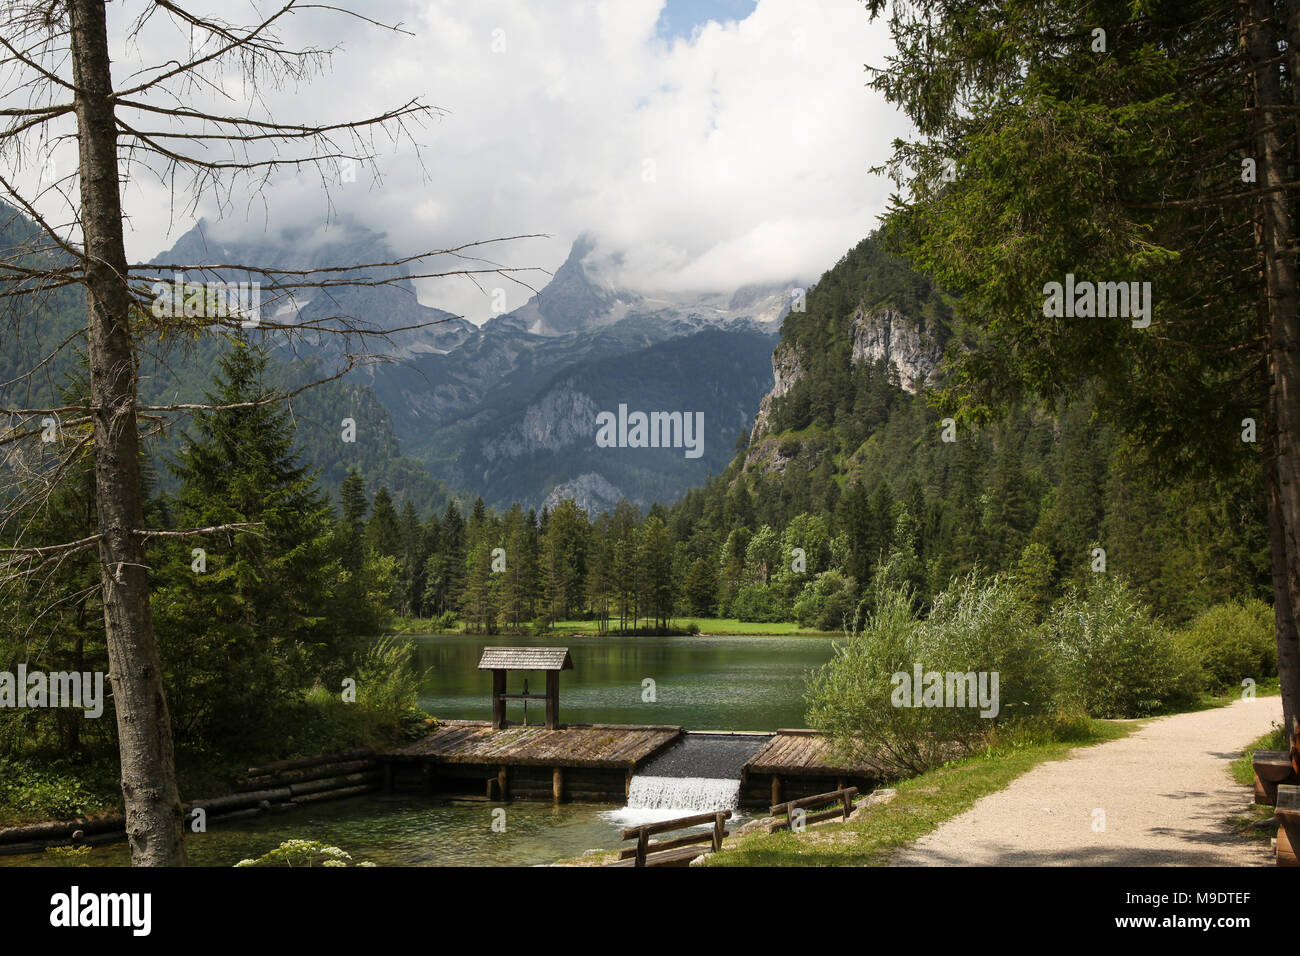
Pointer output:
x,y
976,626
1115,660
303,853
826,602
1233,641
758,603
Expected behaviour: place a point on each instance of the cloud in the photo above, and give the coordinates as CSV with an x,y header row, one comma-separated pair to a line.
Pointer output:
x,y
737,154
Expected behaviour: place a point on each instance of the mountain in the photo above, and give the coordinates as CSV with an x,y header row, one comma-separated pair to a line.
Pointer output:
x,y
391,308
850,459
583,296
508,410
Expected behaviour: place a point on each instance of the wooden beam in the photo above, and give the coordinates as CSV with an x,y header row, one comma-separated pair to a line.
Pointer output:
x,y
552,700
498,701
557,784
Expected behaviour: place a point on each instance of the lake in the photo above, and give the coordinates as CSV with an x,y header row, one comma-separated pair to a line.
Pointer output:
x,y
700,683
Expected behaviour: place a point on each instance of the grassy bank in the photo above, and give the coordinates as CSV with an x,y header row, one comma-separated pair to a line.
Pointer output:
x,y
717,626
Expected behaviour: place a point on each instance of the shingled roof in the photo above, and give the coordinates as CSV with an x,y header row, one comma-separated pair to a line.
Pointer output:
x,y
525,659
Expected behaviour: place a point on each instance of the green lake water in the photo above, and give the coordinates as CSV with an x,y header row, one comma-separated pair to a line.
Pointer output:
x,y
700,683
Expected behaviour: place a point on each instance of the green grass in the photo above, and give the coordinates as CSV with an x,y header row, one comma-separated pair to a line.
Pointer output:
x,y
1242,769
922,804
721,626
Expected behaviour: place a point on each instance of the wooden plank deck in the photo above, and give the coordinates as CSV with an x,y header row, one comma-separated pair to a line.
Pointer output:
x,y
576,745
800,752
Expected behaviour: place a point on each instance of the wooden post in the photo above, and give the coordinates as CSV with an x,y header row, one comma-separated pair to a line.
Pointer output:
x,y
490,782
627,784
503,783
717,830
848,802
557,784
498,703
776,789
552,700
642,843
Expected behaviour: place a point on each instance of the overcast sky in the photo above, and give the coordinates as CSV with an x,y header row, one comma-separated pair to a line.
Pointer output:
x,y
715,143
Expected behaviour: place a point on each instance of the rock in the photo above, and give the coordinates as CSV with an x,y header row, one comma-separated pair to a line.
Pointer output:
x,y
871,800
886,335
786,370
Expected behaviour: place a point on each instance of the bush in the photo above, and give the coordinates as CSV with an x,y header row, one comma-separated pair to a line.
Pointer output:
x,y
976,626
826,602
758,603
387,691
303,853
1231,642
1115,661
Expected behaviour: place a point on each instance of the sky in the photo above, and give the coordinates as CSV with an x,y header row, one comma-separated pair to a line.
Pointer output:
x,y
707,145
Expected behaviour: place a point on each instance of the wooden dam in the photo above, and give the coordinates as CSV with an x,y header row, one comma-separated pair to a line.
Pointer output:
x,y
499,760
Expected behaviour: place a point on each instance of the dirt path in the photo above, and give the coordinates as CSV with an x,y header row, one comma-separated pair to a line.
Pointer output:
x,y
1164,789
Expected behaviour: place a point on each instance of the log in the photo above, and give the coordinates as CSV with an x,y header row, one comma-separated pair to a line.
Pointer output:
x,y
238,801
35,831
333,794
300,762
334,783
664,826
301,776
672,844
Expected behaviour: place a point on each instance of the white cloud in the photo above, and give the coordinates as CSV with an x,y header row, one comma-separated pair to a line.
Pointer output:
x,y
759,134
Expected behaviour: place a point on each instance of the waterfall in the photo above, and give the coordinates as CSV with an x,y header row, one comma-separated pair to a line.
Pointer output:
x,y
683,793
700,772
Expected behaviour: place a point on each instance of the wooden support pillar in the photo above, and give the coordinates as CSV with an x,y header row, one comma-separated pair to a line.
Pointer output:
x,y
627,783
503,783
776,789
552,700
498,703
557,784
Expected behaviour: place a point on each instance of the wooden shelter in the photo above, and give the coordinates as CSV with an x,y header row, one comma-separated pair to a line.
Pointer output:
x,y
499,660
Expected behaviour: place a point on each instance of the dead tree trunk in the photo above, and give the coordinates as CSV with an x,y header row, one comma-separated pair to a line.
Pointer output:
x,y
154,824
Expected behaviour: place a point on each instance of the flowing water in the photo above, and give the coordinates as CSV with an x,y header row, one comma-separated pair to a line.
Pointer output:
x,y
732,683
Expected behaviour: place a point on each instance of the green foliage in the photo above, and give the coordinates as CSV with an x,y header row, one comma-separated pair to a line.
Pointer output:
x,y
303,853
1115,661
1232,642
977,625
55,788
827,602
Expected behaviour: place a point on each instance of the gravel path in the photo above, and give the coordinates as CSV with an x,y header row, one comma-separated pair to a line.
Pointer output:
x,y
1165,790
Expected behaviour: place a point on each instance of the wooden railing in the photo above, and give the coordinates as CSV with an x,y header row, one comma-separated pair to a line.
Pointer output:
x,y
792,808
671,852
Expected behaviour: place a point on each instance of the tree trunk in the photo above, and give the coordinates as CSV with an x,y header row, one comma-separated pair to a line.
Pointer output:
x,y
154,824
1276,231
